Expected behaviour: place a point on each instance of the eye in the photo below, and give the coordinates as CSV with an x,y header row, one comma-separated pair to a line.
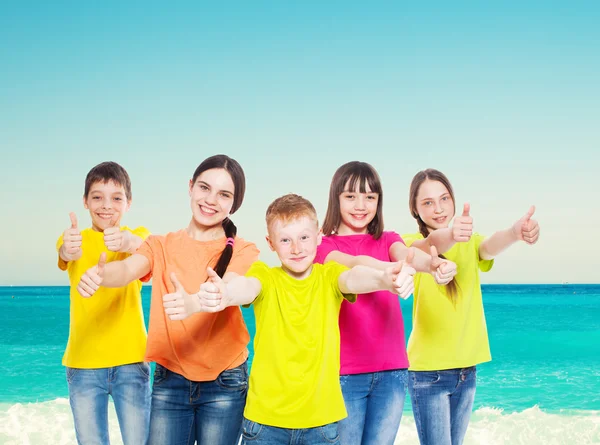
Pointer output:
x,y
372,197
96,197
203,187
226,195
118,199
445,198
349,196
304,237
427,203
284,240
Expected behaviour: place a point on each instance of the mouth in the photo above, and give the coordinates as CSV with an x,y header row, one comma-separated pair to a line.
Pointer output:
x,y
106,216
297,260
359,217
440,219
207,210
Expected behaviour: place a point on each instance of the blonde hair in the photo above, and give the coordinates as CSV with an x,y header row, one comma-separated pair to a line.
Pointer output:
x,y
290,207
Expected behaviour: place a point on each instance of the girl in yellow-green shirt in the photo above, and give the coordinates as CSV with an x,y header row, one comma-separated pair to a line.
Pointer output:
x,y
449,335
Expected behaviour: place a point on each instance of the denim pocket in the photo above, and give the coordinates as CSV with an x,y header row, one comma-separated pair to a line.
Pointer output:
x,y
235,379
330,432
425,378
71,372
160,374
251,430
144,369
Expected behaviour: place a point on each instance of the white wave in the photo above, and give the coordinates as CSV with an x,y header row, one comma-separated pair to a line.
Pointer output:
x,y
51,423
491,426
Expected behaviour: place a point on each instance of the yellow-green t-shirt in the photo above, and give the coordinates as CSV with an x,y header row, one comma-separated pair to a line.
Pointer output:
x,y
446,335
108,328
295,376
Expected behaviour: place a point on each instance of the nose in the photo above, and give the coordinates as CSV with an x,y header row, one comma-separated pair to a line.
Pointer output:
x,y
295,247
211,198
438,208
106,203
359,204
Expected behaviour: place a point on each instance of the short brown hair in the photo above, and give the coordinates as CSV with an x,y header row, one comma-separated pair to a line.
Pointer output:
x,y
106,172
290,207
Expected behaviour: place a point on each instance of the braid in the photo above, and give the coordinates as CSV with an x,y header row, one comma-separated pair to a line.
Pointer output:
x,y
230,232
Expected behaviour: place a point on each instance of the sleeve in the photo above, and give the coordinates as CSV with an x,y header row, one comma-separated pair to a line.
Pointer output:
x,y
325,248
262,273
147,249
140,231
333,271
408,239
484,265
62,264
243,257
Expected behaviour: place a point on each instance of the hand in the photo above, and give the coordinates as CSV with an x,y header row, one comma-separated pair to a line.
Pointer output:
x,y
179,305
72,238
443,271
404,281
115,239
462,227
527,229
91,280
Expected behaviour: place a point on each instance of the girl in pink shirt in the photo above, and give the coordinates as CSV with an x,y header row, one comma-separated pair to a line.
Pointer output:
x,y
374,363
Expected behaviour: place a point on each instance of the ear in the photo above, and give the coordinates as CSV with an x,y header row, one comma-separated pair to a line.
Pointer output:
x,y
270,243
128,205
320,237
190,187
85,206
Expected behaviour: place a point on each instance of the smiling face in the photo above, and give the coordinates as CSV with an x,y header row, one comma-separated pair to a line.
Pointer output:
x,y
357,209
295,241
107,202
211,197
434,204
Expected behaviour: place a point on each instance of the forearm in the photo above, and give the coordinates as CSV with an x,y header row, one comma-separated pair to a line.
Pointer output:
x,y
358,260
496,243
441,239
241,290
362,280
117,274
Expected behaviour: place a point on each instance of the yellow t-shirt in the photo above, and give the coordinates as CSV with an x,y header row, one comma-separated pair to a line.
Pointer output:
x,y
108,328
295,376
446,335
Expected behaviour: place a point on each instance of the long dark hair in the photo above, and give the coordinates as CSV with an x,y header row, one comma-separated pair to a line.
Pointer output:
x,y
452,289
236,172
353,173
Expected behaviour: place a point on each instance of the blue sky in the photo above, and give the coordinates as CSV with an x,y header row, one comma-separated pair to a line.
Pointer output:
x,y
503,98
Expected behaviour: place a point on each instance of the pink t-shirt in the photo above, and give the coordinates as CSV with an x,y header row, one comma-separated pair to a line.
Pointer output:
x,y
371,329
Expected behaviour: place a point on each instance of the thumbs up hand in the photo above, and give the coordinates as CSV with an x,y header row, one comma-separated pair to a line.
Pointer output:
x,y
115,239
527,229
462,227
72,239
404,277
443,271
92,279
179,305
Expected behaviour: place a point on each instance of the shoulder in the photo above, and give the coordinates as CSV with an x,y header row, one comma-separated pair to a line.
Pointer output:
x,y
410,238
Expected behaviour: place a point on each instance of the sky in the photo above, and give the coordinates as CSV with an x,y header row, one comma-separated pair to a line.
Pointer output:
x,y
503,98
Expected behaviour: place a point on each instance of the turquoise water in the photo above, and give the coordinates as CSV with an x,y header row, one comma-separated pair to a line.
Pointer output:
x,y
545,342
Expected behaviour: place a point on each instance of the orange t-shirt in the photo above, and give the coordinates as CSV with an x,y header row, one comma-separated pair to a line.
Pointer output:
x,y
205,344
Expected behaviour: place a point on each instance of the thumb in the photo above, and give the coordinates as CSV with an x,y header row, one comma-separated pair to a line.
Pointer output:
x,y
530,213
114,220
101,264
212,275
410,256
73,220
435,259
466,209
176,283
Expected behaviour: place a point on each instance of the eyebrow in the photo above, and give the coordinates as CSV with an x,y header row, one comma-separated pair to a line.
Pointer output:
x,y
209,186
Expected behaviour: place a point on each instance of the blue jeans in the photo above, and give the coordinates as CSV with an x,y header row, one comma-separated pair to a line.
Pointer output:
x,y
442,402
374,402
129,386
184,411
255,433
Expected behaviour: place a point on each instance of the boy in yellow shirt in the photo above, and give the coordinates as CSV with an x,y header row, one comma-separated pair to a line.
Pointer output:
x,y
107,333
294,392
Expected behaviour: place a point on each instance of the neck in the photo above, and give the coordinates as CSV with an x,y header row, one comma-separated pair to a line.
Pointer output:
x,y
205,233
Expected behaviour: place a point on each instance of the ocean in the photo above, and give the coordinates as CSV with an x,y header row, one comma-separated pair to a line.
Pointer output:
x,y
542,386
